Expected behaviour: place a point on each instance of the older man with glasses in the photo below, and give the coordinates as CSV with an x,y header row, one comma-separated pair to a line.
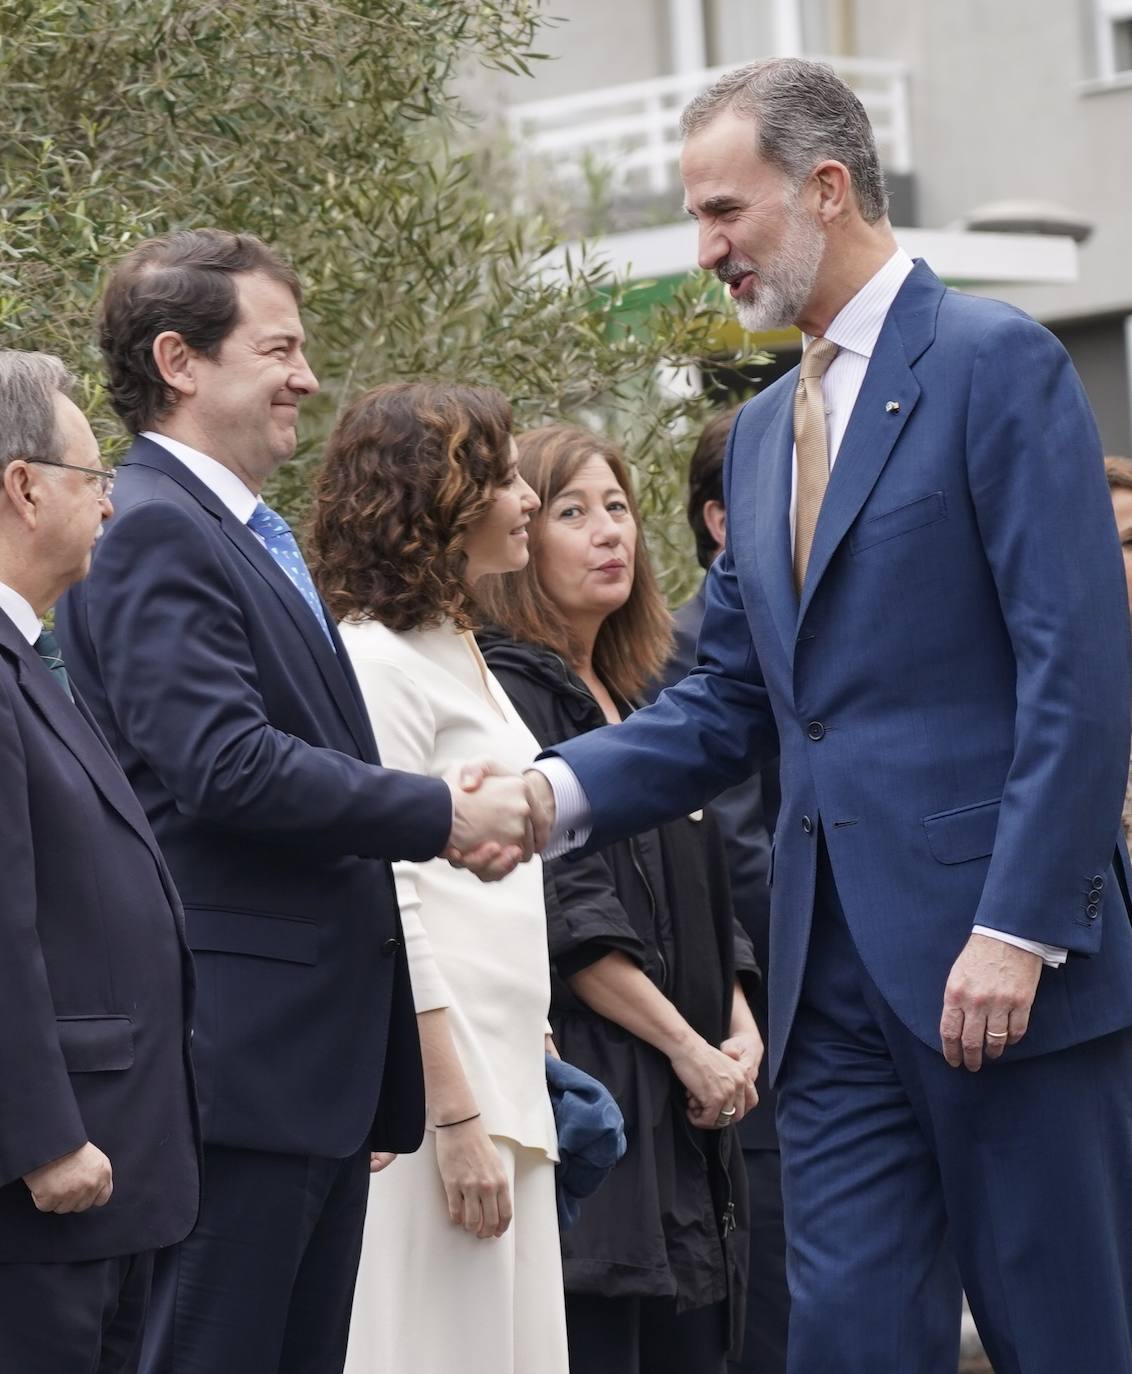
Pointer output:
x,y
98,1127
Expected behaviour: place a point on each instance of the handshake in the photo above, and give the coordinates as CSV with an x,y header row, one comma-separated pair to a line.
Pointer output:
x,y
498,819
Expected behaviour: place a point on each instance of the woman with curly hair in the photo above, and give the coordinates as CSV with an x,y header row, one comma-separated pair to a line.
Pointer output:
x,y
418,500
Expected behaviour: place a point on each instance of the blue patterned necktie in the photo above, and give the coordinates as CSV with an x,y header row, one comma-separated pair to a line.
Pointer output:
x,y
282,546
47,647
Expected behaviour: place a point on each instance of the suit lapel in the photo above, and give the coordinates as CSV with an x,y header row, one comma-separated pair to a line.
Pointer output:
x,y
333,667
772,520
886,400
74,728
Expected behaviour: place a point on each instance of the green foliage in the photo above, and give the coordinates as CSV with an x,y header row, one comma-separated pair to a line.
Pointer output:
x,y
333,129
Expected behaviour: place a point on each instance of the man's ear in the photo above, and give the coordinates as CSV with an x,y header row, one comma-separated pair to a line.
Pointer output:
x,y
834,190
19,488
715,518
176,362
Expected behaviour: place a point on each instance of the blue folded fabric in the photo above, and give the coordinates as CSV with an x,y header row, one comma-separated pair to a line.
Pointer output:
x,y
591,1135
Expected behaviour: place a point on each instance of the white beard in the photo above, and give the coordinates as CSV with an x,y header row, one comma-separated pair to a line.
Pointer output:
x,y
785,284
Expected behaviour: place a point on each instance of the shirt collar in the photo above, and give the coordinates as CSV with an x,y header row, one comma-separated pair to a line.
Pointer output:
x,y
221,481
20,612
857,325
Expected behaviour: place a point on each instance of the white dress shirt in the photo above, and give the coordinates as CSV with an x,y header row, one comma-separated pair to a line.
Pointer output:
x,y
855,329
20,613
221,481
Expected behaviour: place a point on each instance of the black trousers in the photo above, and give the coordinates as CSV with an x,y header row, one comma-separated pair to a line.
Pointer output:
x,y
74,1318
265,1283
643,1336
768,1296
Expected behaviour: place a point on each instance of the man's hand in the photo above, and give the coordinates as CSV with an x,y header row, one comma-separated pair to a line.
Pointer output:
x,y
540,794
491,827
986,1005
380,1159
73,1182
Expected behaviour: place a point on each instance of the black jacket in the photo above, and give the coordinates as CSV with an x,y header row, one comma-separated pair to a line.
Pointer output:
x,y
671,1219
747,815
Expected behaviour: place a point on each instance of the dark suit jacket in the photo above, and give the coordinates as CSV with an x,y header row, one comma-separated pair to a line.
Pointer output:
x,y
95,984
948,697
244,734
747,815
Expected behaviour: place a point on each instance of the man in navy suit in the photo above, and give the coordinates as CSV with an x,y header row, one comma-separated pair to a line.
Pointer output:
x,y
221,682
746,814
98,1133
921,610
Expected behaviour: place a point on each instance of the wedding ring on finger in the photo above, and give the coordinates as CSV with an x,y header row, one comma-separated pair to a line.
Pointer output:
x,y
724,1117
997,1035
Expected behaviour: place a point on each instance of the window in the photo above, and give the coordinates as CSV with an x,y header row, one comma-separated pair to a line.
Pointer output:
x,y
1113,37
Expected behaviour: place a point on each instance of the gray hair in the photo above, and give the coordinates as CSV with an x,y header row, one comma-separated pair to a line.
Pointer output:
x,y
28,385
803,114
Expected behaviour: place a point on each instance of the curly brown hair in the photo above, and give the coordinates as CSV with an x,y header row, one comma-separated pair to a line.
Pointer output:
x,y
635,641
409,469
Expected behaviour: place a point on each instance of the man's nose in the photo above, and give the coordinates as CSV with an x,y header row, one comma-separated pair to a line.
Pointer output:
x,y
713,248
303,379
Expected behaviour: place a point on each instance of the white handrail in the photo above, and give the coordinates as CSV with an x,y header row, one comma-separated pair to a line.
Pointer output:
x,y
634,125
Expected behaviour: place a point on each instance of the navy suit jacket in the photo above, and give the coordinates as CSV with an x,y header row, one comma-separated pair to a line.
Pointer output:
x,y
95,984
244,733
949,698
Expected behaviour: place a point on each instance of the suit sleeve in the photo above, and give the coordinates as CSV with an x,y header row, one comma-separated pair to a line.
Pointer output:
x,y
39,1117
405,727
707,733
174,657
1037,481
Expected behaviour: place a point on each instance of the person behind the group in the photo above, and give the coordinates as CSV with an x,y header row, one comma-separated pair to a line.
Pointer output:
x,y
221,683
921,611
746,815
1119,474
98,1130
648,958
419,504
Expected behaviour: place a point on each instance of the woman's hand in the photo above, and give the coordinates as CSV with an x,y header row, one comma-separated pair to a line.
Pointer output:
x,y
551,1047
479,1198
717,1084
746,1048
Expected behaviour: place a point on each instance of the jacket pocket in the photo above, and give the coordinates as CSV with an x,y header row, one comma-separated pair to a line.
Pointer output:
x,y
954,837
258,933
96,1044
925,510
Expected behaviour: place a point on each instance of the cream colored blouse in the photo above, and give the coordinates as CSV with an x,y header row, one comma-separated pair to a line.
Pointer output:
x,y
477,949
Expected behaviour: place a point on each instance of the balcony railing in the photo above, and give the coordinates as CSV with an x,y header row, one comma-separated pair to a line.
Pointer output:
x,y
631,131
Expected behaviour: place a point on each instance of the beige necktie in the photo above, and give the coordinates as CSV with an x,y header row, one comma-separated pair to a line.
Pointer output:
x,y
813,451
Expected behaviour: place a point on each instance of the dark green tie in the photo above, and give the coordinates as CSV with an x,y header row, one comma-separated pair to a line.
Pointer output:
x,y
47,647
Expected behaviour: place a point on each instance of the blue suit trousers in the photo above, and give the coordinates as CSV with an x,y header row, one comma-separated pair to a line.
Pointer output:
x,y
906,1181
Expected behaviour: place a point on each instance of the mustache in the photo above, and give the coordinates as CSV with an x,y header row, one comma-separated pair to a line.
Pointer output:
x,y
732,269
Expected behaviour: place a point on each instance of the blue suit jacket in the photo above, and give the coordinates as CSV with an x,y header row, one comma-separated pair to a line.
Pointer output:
x,y
949,698
95,984
245,736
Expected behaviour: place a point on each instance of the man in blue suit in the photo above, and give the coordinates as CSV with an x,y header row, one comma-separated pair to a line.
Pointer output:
x,y
223,687
98,1129
921,610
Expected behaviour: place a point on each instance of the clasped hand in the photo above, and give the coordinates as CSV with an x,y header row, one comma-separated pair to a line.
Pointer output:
x,y
499,819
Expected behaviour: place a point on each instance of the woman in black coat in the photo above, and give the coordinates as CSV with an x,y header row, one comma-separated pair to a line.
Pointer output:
x,y
648,960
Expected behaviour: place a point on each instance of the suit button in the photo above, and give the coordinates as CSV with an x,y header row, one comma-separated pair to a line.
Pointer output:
x,y
815,730
1098,881
1091,911
1095,895
807,825
391,946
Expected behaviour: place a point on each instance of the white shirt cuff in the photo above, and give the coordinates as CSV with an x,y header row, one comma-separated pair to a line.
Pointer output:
x,y
1053,956
573,820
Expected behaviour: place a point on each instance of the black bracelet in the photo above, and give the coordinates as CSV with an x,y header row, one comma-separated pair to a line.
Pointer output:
x,y
443,1125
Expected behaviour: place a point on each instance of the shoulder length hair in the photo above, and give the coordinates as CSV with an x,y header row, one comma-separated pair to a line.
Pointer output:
x,y
635,641
409,469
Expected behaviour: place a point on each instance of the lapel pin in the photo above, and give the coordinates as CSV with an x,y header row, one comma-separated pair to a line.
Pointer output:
x,y
893,407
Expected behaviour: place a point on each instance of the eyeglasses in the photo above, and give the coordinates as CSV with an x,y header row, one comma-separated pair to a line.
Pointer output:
x,y
104,479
